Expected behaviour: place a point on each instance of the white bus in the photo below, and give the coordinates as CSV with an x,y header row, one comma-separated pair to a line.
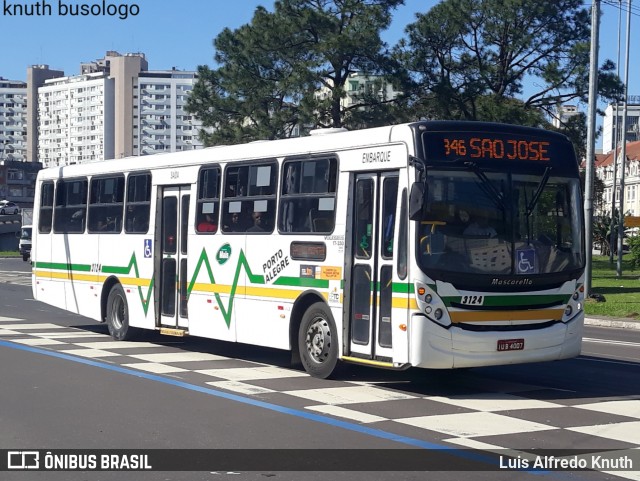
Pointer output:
x,y
431,244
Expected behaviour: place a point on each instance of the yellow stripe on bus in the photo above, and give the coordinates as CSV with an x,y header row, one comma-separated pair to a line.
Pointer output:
x,y
66,276
484,316
404,303
368,362
132,281
95,278
265,292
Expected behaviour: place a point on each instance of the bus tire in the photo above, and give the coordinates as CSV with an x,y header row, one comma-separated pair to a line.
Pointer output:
x,y
318,341
118,315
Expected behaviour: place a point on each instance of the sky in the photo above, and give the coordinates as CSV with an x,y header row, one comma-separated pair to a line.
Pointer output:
x,y
179,33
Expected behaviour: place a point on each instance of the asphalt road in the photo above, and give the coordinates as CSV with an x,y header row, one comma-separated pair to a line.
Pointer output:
x,y
65,385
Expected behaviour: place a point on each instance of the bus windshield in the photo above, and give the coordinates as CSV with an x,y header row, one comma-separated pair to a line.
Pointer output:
x,y
500,223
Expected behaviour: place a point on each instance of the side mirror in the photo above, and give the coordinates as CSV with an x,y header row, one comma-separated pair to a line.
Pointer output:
x,y
416,200
19,234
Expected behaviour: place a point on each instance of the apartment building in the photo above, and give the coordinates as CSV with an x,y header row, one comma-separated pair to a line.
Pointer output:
x,y
36,76
114,108
612,123
358,86
13,120
18,180
76,119
563,114
160,123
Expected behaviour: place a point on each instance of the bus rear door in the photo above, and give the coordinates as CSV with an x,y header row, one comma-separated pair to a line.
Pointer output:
x,y
171,275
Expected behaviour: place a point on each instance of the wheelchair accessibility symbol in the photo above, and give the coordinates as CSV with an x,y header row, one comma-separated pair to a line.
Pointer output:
x,y
526,259
147,248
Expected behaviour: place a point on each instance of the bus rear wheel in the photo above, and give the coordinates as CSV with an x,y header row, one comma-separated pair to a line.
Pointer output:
x,y
118,315
318,341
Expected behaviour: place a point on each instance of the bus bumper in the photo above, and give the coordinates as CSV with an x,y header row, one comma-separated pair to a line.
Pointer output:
x,y
436,347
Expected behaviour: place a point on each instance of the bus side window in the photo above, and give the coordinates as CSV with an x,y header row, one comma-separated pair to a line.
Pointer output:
x,y
46,208
249,204
208,200
106,202
136,217
70,206
307,201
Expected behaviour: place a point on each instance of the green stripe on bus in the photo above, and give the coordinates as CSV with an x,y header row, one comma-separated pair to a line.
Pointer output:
x,y
63,266
403,288
301,282
203,260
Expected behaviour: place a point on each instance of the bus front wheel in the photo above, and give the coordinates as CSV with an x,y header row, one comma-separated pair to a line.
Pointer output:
x,y
318,341
118,315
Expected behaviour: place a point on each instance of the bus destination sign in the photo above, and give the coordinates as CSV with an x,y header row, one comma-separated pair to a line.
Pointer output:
x,y
484,146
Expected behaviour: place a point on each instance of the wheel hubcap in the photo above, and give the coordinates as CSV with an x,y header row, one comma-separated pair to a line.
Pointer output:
x,y
319,340
117,312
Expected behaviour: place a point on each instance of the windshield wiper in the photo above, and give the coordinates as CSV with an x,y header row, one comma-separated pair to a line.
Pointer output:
x,y
538,193
487,186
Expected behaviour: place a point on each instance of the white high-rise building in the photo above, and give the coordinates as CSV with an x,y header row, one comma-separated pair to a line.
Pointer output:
x,y
115,108
76,119
612,123
563,114
357,87
160,123
13,120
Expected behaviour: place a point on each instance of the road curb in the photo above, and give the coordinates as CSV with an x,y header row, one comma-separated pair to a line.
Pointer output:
x,y
617,323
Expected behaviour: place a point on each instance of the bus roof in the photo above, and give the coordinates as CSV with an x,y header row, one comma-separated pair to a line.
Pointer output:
x,y
299,146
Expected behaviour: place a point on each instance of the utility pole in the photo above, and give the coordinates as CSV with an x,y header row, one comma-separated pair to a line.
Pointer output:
x,y
623,152
591,127
616,129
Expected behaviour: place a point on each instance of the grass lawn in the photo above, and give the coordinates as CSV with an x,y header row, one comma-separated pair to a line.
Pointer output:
x,y
622,294
9,254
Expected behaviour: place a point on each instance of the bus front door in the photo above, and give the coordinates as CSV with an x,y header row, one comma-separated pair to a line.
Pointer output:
x,y
171,275
373,208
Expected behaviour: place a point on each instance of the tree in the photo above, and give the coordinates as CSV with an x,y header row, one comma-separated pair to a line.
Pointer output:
x,y
251,95
602,232
471,59
272,69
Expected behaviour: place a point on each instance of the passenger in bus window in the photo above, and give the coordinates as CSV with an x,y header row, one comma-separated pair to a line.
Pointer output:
x,y
258,222
207,224
234,223
130,219
457,224
480,227
322,182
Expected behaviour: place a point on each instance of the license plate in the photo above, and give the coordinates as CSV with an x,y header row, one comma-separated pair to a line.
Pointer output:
x,y
510,344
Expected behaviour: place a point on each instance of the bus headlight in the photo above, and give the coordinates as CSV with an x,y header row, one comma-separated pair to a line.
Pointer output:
x,y
574,306
431,305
